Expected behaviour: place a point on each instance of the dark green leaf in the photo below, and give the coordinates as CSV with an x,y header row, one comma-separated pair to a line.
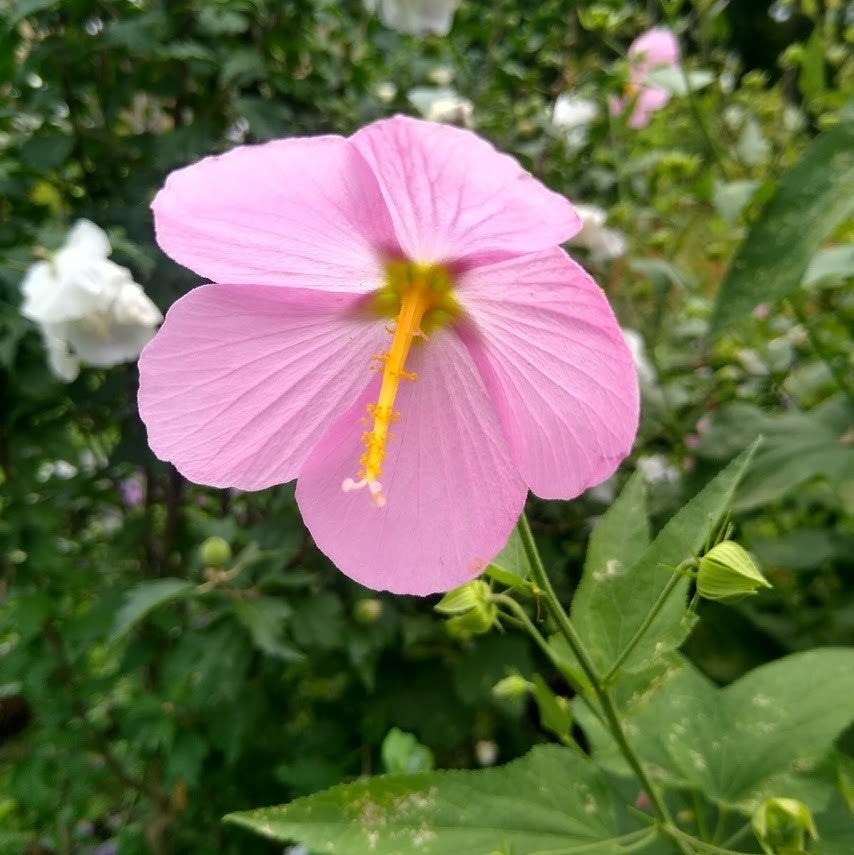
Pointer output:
x,y
813,198
145,598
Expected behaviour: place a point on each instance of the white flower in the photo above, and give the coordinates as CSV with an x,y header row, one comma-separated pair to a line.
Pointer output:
x,y
416,17
442,104
386,91
637,347
604,244
89,309
656,470
574,114
486,752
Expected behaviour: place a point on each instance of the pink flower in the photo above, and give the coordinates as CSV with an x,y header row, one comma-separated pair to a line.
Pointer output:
x,y
656,48
418,251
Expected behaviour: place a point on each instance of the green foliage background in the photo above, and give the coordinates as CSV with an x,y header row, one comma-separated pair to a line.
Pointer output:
x,y
143,695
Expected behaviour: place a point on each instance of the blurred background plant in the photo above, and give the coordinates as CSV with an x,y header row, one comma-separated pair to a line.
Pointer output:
x,y
169,653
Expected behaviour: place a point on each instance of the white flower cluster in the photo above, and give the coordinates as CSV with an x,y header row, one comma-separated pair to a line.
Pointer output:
x,y
89,309
416,17
603,243
573,114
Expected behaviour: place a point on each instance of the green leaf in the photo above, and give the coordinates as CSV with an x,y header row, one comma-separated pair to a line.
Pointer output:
x,y
551,799
745,742
555,714
622,580
798,447
812,78
730,198
674,81
831,266
264,618
403,754
813,198
143,599
21,9
47,151
510,566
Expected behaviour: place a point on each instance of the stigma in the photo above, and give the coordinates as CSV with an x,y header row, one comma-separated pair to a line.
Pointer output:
x,y
418,297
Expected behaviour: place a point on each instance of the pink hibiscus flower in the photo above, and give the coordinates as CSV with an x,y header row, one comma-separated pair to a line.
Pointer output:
x,y
656,48
418,251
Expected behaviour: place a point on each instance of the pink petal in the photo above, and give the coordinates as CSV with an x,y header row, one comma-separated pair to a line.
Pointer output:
x,y
557,367
241,380
649,100
654,48
305,212
452,195
453,494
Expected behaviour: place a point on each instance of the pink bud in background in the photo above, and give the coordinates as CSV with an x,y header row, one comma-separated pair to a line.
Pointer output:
x,y
656,48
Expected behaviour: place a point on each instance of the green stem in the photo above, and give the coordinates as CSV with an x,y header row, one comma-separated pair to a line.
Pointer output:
x,y
606,701
633,641
713,150
637,845
731,841
839,377
720,827
700,815
523,619
677,834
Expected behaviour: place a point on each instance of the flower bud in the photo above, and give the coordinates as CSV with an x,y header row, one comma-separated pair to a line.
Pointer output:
x,y
470,608
215,552
367,611
782,824
512,688
727,573
470,596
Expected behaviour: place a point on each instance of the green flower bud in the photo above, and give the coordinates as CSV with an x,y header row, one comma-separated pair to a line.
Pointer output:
x,y
215,552
781,825
512,688
727,573
464,599
475,622
471,611
367,611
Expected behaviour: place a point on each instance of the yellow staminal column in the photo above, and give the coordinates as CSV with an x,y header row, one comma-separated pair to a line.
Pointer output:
x,y
422,293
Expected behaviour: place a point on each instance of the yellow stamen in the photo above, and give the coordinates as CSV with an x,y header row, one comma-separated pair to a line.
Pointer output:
x,y
421,296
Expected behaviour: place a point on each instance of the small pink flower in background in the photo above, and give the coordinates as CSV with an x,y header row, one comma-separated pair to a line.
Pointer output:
x,y
396,328
132,490
656,48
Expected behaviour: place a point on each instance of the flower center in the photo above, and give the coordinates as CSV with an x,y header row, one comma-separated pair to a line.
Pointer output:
x,y
419,297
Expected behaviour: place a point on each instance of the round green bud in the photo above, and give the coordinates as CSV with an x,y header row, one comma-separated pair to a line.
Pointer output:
x,y
215,552
470,608
367,611
728,573
512,688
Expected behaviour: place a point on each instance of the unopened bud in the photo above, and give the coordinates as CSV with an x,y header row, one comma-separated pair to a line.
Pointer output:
x,y
781,825
464,599
475,622
215,552
727,572
367,611
512,688
470,608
